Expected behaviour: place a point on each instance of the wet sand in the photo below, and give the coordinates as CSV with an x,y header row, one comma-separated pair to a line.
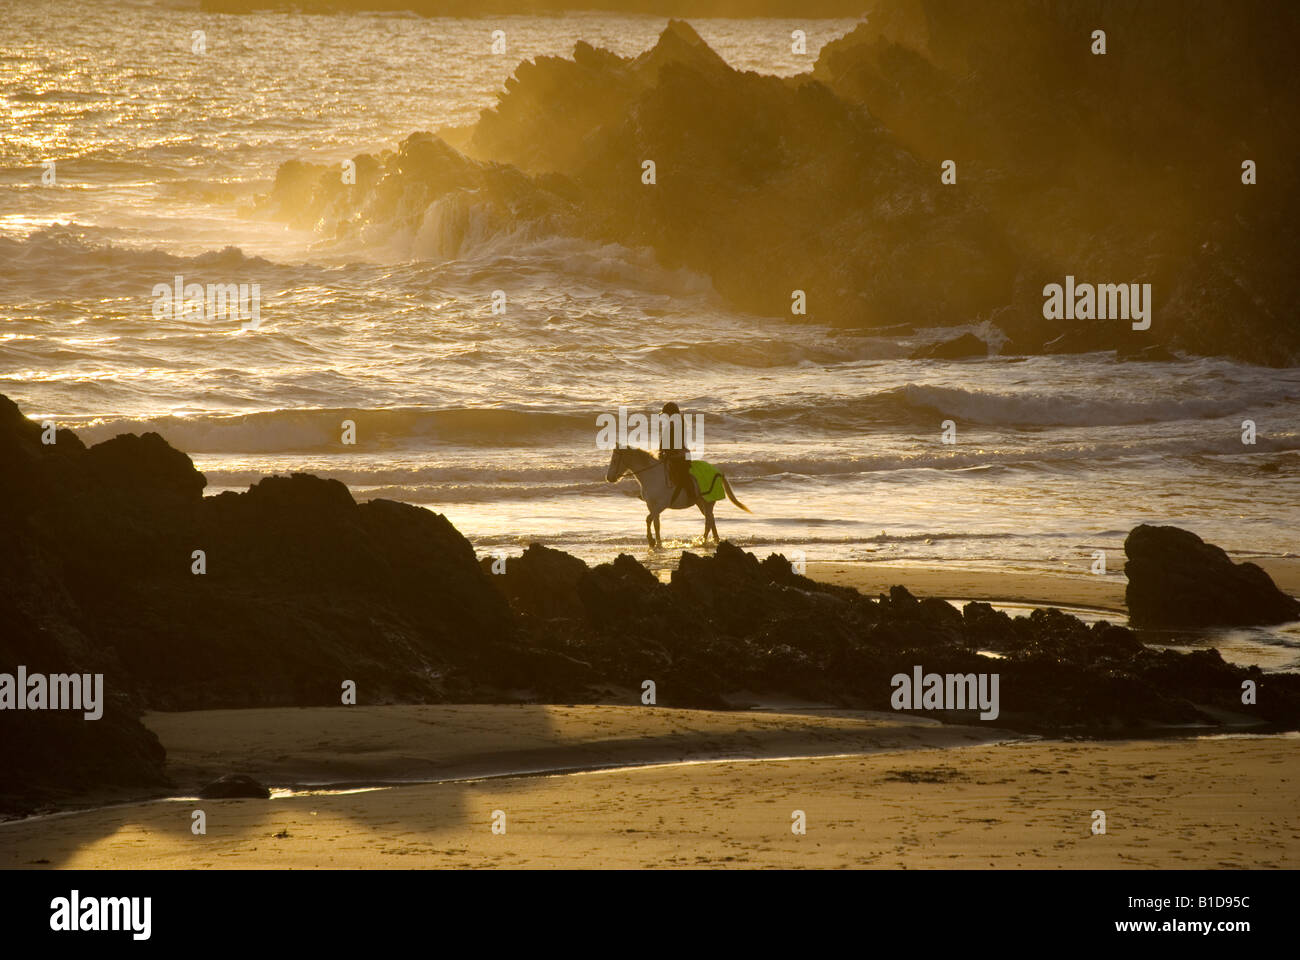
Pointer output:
x,y
1067,589
921,795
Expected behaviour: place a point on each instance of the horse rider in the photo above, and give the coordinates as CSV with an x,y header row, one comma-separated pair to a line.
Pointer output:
x,y
673,452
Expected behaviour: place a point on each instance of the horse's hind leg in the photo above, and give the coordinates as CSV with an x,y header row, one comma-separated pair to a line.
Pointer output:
x,y
659,540
710,523
649,535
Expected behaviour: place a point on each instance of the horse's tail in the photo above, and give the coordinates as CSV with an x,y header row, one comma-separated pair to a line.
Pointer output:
x,y
731,496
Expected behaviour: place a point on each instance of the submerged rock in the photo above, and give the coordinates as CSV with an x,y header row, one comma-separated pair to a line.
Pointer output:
x,y
235,786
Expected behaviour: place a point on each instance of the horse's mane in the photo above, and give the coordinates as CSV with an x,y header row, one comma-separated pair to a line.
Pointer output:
x,y
649,453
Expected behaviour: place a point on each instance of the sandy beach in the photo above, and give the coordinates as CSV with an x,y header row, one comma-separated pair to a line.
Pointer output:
x,y
857,434
912,794
624,785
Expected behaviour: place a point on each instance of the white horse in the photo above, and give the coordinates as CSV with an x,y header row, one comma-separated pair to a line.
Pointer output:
x,y
651,474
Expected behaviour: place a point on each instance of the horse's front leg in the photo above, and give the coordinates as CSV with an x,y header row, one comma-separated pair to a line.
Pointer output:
x,y
650,519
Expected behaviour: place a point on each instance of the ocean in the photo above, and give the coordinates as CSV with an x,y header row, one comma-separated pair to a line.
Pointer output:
x,y
833,438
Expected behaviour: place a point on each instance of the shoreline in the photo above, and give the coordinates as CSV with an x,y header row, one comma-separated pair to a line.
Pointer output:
x,y
305,749
1070,591
957,582
902,796
329,788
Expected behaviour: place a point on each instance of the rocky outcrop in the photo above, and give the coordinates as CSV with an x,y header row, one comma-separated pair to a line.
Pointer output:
x,y
1176,579
303,589
57,756
1114,169
541,582
113,562
1119,167
731,622
767,185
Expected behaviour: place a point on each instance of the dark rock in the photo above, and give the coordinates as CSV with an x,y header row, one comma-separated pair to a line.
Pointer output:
x,y
306,588
985,627
145,466
55,757
47,625
901,600
618,591
542,581
235,786
1113,641
1175,579
959,348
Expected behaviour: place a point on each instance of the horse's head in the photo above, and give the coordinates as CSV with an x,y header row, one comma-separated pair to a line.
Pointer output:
x,y
617,466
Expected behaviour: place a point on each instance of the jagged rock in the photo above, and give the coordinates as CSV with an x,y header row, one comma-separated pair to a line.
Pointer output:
x,y
542,581
305,588
50,757
235,786
901,600
1064,177
987,628
1176,579
948,81
145,467
621,590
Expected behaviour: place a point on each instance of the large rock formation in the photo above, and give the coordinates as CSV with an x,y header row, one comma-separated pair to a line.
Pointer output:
x,y
1176,579
303,589
1120,168
1116,168
731,622
56,755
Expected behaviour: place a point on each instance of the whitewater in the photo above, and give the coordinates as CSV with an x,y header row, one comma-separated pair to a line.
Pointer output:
x,y
832,437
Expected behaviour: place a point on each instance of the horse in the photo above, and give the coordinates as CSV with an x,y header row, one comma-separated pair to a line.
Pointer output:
x,y
651,474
